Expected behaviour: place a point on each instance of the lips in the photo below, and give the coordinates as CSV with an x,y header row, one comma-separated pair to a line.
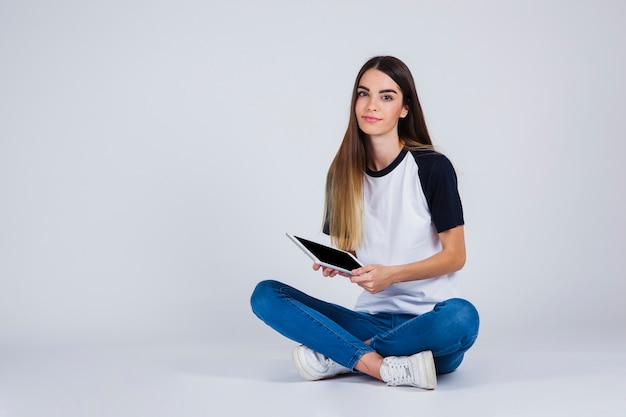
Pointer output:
x,y
371,119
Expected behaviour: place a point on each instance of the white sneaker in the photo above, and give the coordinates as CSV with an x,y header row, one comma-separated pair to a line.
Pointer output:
x,y
416,370
312,365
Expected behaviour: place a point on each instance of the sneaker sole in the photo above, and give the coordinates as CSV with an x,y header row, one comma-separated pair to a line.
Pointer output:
x,y
428,366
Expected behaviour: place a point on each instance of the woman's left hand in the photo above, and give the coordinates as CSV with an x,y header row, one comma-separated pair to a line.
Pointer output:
x,y
372,278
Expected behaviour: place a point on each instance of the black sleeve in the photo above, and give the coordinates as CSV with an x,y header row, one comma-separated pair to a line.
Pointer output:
x,y
439,183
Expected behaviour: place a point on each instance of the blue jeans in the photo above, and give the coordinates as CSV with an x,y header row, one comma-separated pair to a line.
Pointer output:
x,y
448,330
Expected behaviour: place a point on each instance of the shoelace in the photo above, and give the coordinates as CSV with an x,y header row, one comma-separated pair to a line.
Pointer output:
x,y
399,372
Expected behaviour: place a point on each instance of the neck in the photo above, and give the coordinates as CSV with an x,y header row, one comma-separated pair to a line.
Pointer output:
x,y
381,152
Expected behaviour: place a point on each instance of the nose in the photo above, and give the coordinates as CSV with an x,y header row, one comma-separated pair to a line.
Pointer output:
x,y
372,105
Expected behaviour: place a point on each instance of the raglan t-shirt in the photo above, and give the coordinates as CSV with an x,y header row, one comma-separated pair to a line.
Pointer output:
x,y
406,205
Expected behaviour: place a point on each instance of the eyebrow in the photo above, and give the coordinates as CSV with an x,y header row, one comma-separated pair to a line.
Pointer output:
x,y
380,92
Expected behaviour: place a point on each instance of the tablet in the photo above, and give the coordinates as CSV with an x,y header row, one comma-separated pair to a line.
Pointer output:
x,y
326,256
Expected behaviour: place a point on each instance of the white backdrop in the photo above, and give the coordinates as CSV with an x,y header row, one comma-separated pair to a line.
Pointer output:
x,y
152,155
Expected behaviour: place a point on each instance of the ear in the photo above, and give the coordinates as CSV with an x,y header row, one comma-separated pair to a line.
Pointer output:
x,y
405,111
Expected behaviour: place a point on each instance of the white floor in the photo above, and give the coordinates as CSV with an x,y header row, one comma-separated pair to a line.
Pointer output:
x,y
204,380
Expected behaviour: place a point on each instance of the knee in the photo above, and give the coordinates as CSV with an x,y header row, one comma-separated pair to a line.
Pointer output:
x,y
464,315
465,309
261,296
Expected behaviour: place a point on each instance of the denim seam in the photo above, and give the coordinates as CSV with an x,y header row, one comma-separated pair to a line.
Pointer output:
x,y
455,347
360,350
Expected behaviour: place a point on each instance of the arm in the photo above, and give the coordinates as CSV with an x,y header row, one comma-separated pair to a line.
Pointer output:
x,y
451,258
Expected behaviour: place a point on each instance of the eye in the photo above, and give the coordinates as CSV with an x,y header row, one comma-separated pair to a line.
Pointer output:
x,y
362,93
387,97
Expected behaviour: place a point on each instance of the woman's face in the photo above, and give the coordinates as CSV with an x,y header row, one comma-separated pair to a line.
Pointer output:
x,y
379,104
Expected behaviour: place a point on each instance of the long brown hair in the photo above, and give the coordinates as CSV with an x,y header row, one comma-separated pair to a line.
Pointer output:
x,y
344,183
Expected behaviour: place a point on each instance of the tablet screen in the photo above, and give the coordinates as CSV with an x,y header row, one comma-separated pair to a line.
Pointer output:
x,y
330,255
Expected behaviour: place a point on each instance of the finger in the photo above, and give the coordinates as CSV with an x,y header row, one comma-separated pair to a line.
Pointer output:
x,y
363,270
329,272
357,279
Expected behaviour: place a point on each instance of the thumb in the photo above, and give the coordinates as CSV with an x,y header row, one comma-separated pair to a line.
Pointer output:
x,y
361,270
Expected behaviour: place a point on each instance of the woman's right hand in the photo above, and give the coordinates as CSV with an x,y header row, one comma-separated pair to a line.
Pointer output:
x,y
327,272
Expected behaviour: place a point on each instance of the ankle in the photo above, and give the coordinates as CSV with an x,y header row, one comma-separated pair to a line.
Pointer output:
x,y
370,364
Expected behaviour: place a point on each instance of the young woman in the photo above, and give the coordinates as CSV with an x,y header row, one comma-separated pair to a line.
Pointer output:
x,y
392,200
